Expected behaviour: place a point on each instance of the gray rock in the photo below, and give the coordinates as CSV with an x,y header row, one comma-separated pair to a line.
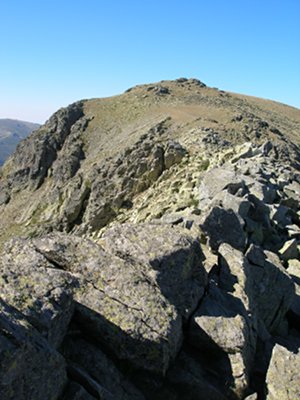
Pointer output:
x,y
289,250
216,180
273,289
29,367
33,285
247,150
115,184
96,364
226,200
37,153
223,226
236,277
173,154
265,192
281,215
294,187
283,377
138,312
221,325
167,256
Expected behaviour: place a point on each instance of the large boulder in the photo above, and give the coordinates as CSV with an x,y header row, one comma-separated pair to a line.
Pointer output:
x,y
216,180
166,256
134,291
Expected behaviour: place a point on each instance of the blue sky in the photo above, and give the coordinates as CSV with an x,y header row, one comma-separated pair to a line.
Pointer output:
x,y
59,51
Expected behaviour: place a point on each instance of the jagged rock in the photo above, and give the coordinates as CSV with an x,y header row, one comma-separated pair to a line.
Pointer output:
x,y
173,154
294,264
127,180
281,215
293,230
221,326
211,259
33,285
283,377
119,309
4,194
216,180
273,289
266,193
161,90
29,367
293,187
137,313
223,226
235,277
289,251
95,363
157,247
226,200
246,150
258,224
36,154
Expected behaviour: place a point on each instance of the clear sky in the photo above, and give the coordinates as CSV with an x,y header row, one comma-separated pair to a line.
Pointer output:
x,y
54,52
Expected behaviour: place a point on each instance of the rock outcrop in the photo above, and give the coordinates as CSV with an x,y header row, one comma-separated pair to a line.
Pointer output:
x,y
156,257
11,133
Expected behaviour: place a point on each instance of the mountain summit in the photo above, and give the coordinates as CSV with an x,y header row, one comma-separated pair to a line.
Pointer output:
x,y
150,249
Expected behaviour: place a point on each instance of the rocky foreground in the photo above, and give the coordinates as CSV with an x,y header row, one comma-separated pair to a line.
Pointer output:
x,y
165,268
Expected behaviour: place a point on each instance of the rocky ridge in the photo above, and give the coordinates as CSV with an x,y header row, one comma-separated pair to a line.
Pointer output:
x,y
167,268
11,133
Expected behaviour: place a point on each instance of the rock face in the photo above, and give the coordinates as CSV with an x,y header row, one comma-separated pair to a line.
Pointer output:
x,y
150,250
11,133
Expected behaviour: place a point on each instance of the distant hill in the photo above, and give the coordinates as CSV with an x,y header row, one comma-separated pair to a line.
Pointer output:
x,y
11,132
